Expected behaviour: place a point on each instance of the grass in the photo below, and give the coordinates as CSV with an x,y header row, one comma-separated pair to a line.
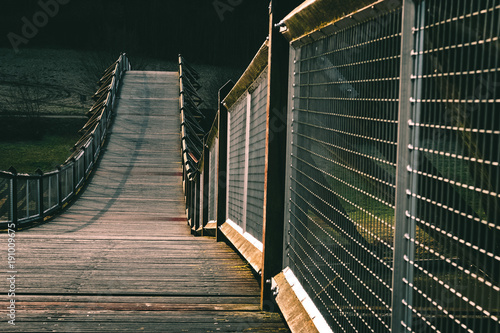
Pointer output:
x,y
29,155
46,151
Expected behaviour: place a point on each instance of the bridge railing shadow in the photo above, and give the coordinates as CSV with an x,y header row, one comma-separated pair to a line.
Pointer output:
x,y
26,199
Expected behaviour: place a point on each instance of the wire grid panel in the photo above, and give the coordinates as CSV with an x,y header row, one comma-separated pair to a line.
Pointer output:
x,y
342,177
80,169
5,199
213,181
50,192
236,169
256,158
66,179
453,260
28,191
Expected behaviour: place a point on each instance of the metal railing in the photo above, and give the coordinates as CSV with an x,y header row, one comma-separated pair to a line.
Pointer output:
x,y
26,199
342,180
450,188
393,165
192,134
393,209
246,158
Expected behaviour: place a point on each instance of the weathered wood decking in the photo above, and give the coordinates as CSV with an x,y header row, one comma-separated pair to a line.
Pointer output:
x,y
122,258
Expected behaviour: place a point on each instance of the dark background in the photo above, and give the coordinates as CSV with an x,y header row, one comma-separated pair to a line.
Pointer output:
x,y
151,28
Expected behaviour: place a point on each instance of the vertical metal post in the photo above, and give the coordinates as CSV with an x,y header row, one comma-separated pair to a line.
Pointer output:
x,y
59,185
247,161
196,203
294,54
75,176
92,158
228,162
13,197
187,201
206,186
84,156
222,160
27,198
40,193
201,200
399,291
274,180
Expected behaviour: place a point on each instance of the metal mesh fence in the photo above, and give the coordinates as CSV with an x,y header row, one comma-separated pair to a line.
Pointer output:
x,y
343,163
67,186
28,198
5,201
80,169
212,191
236,168
256,158
50,192
88,156
452,264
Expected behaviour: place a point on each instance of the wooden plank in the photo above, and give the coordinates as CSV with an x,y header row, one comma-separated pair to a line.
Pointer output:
x,y
295,315
251,254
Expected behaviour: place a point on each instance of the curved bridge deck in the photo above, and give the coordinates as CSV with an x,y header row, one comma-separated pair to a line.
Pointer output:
x,y
122,258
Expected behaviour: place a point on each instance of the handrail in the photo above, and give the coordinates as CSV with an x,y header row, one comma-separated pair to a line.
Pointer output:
x,y
26,199
254,69
191,130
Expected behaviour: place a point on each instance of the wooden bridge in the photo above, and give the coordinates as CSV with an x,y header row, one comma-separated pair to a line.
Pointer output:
x,y
122,258
354,165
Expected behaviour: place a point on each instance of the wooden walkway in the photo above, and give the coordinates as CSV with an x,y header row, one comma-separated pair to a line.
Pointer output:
x,y
122,258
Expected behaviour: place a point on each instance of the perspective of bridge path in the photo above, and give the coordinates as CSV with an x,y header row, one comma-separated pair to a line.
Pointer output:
x,y
122,258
